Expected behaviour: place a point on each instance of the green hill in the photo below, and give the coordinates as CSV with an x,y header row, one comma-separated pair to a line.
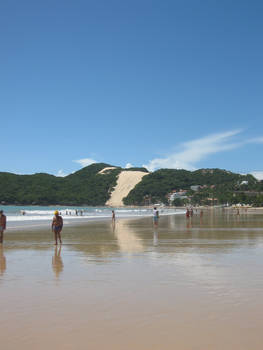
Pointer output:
x,y
84,187
155,187
89,187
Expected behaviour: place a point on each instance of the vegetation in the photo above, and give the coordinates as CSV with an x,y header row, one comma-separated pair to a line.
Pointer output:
x,y
89,187
84,187
251,194
136,169
155,187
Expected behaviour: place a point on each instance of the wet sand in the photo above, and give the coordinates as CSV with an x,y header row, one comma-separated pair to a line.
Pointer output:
x,y
184,284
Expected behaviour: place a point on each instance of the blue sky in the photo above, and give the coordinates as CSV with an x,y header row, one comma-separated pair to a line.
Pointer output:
x,y
156,83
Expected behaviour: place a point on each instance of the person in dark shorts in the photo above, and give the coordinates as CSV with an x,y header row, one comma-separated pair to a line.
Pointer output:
x,y
155,216
56,226
2,225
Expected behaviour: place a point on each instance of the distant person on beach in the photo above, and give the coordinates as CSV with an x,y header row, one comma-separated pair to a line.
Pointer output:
x,y
155,215
57,225
113,217
2,225
155,212
187,213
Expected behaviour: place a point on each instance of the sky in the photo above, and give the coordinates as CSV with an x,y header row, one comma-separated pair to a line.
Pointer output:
x,y
161,84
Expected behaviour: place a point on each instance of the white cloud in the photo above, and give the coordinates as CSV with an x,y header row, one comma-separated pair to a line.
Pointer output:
x,y
256,140
257,174
85,161
196,150
128,165
61,173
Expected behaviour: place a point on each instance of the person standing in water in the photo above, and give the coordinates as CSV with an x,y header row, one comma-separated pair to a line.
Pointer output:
x,y
113,217
2,225
56,226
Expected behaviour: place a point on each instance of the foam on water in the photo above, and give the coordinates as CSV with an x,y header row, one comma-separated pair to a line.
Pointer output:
x,y
38,213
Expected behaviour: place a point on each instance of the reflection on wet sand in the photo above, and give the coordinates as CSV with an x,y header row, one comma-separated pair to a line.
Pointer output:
x,y
127,238
155,230
192,285
189,223
100,241
155,236
2,260
57,262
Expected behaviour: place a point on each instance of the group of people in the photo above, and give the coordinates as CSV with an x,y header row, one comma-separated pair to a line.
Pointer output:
x,y
190,212
57,224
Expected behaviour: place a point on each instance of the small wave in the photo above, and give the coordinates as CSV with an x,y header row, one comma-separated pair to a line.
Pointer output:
x,y
38,214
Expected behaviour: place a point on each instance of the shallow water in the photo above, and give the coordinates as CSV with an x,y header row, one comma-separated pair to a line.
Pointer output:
x,y
33,216
184,284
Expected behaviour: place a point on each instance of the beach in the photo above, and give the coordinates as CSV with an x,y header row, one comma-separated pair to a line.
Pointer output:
x,y
182,284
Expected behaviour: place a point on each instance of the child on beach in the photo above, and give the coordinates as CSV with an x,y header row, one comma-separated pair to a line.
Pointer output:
x,y
56,226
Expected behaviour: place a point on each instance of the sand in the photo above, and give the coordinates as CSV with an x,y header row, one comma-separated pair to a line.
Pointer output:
x,y
106,169
127,180
184,284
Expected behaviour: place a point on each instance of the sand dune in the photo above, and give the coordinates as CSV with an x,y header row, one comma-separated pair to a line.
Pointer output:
x,y
127,180
103,171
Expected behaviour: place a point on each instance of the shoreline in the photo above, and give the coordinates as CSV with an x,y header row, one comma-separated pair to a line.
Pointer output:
x,y
69,221
26,223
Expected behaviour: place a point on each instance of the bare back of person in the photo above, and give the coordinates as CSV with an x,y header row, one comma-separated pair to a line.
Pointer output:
x,y
57,225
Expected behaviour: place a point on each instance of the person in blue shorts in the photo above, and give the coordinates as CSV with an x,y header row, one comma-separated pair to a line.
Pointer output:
x,y
56,226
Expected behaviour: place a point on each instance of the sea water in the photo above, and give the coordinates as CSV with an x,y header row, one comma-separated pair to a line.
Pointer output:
x,y
45,213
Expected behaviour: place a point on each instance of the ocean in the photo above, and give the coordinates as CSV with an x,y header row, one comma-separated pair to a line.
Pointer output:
x,y
46,213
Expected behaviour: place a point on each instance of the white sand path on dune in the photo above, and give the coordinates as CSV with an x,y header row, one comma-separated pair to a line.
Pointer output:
x,y
127,180
106,169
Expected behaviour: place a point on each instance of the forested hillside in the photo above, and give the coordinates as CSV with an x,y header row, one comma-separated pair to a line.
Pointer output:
x,y
90,187
155,187
84,187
